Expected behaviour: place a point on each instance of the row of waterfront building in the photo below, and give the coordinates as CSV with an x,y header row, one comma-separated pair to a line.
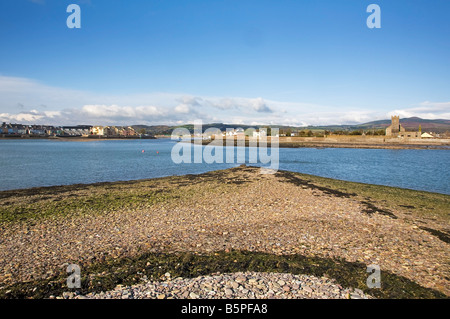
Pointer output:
x,y
79,130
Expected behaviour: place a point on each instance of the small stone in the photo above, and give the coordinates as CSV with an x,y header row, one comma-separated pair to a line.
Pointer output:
x,y
67,295
185,294
161,296
193,295
307,289
240,279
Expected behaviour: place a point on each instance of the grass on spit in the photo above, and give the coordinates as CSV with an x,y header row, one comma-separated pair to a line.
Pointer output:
x,y
129,271
34,204
76,200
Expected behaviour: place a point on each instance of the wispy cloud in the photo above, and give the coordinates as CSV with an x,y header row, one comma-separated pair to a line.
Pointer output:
x,y
427,109
28,101
259,105
32,116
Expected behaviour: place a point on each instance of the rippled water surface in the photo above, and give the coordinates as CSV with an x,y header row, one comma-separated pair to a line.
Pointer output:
x,y
32,163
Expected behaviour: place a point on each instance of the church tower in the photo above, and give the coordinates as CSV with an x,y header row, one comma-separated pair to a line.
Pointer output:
x,y
395,124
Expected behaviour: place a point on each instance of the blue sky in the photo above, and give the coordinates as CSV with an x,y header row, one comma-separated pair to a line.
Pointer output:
x,y
245,62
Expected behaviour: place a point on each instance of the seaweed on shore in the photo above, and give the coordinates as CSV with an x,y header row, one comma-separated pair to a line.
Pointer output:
x,y
445,237
372,209
291,178
107,275
369,210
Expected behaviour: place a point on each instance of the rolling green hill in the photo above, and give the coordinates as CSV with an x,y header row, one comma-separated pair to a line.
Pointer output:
x,y
412,123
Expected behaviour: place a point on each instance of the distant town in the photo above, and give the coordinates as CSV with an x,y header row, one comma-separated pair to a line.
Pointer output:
x,y
409,128
21,130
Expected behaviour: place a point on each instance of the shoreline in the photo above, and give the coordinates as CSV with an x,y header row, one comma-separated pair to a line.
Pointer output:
x,y
75,138
438,145
323,145
77,186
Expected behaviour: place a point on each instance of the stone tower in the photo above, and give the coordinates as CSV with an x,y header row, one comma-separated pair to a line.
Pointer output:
x,y
395,124
395,129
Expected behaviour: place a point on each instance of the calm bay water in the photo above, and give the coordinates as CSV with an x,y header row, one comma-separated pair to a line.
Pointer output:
x,y
34,163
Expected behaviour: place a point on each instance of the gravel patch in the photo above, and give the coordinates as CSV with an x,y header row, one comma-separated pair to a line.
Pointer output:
x,y
248,285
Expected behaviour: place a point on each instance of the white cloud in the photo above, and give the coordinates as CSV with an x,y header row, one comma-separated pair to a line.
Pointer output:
x,y
191,100
182,108
224,104
31,102
120,112
259,105
426,110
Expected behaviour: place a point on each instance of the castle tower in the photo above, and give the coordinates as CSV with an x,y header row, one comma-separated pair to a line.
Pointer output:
x,y
395,124
395,128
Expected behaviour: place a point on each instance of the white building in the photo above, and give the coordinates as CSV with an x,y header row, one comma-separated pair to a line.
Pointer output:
x,y
259,133
426,135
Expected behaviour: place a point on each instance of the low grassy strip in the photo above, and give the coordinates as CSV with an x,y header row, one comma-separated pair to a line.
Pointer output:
x,y
73,200
87,204
35,204
128,271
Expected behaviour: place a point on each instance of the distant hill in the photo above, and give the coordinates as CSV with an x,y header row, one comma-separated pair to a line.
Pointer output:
x,y
154,129
412,123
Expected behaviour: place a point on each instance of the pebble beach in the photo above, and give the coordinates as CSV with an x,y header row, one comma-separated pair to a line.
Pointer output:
x,y
239,209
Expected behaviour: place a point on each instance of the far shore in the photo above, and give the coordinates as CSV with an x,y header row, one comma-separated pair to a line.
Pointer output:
x,y
284,142
76,138
344,142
